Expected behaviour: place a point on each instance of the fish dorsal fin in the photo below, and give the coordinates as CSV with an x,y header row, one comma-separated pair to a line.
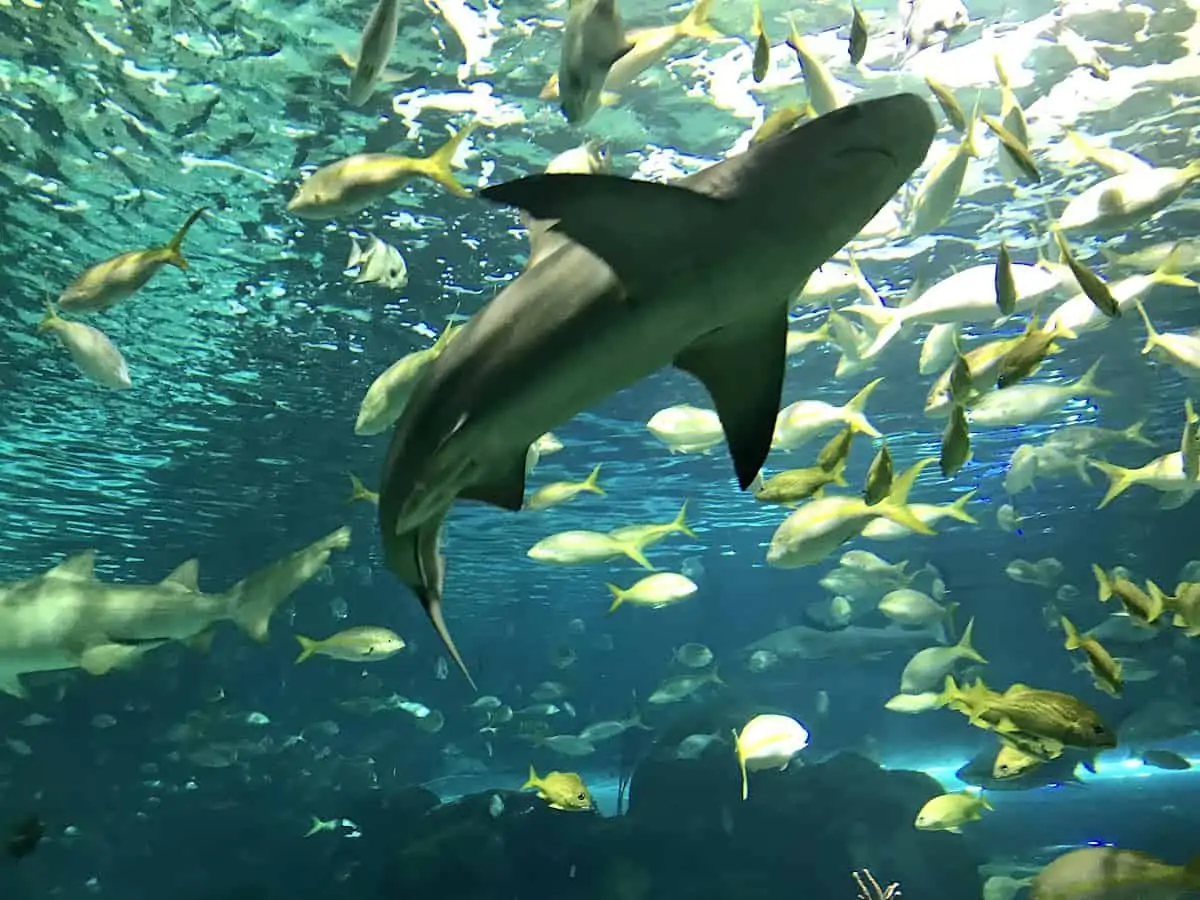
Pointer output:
x,y
503,486
636,227
185,575
742,368
79,567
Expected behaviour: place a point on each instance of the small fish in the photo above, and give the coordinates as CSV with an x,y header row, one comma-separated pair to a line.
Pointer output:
x,y
320,825
767,742
781,120
365,643
858,34
107,283
949,812
564,491
378,38
593,39
693,655
568,744
1006,284
932,21
654,591
1105,670
956,443
561,790
360,493
96,357
1166,759
949,103
762,46
962,381
1189,443
1024,358
1013,147
496,806
1092,284
879,477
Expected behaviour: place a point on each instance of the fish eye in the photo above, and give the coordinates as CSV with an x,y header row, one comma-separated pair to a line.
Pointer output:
x,y
581,797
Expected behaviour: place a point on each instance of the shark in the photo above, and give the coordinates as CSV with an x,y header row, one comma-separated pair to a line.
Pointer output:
x,y
634,276
66,618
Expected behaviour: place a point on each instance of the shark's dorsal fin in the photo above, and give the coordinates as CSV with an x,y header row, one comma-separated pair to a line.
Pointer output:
x,y
79,567
186,575
504,487
742,368
634,226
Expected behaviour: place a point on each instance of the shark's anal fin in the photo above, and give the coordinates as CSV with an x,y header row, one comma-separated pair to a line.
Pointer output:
x,y
503,486
743,368
634,226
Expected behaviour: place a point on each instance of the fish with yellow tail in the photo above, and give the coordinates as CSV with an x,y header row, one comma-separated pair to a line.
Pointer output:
x,y
389,392
360,493
651,533
820,526
561,790
348,186
659,589
1144,607
364,643
767,741
563,491
1027,355
107,283
950,812
1105,670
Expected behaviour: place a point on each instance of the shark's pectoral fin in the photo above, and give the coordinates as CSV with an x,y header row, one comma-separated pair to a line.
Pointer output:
x,y
102,658
742,368
503,486
415,557
631,225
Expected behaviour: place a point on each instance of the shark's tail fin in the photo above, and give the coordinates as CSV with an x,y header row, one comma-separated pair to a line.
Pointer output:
x,y
255,598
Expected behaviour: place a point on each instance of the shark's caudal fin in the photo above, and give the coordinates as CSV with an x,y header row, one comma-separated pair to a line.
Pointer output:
x,y
253,599
415,557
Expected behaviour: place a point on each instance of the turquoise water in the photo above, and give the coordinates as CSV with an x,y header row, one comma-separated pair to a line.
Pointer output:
x,y
234,442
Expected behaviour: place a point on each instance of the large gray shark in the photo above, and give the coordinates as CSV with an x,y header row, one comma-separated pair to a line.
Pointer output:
x,y
636,276
66,619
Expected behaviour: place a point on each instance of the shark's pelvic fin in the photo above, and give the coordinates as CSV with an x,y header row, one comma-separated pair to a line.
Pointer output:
x,y
742,367
186,575
79,567
629,224
10,683
503,487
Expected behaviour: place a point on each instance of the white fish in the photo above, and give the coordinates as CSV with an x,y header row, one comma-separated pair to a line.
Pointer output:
x,y
1080,313
375,48
476,29
968,296
1166,474
1024,403
1181,350
686,428
939,189
1124,201
800,422
929,667
928,514
928,22
593,40
914,703
380,263
96,357
939,348
768,742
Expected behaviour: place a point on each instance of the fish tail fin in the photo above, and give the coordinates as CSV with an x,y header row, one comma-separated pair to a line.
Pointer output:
x,y
254,599
741,761
895,506
307,647
889,320
439,166
958,509
969,146
591,483
1087,384
174,248
618,597
358,490
637,554
853,410
1103,583
1169,270
50,320
1192,170
1135,434
679,523
964,646
1153,338
695,23
532,780
1119,480
1073,640
1158,602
